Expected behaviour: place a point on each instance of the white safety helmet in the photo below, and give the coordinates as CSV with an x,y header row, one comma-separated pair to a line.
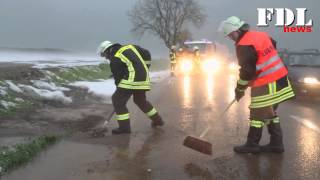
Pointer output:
x,y
103,47
173,47
195,48
231,24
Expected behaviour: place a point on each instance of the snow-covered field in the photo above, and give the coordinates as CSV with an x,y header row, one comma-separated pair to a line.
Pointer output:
x,y
47,89
44,59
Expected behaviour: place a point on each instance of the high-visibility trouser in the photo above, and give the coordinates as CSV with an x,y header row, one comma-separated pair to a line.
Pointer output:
x,y
260,117
271,94
121,97
260,123
173,66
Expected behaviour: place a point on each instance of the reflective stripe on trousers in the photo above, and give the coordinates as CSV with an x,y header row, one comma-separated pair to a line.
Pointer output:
x,y
261,123
274,96
122,117
152,112
256,123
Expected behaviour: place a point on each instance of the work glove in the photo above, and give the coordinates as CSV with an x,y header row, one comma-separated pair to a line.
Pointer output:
x,y
240,89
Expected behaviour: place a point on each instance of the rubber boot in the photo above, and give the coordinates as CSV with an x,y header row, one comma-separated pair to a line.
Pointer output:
x,y
276,144
156,121
252,144
124,128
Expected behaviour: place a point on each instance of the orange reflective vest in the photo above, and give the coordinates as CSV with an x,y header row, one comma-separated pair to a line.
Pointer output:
x,y
269,66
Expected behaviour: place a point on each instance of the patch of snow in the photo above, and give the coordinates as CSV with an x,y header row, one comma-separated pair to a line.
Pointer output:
x,y
18,99
6,104
50,75
48,86
66,65
103,89
46,94
3,92
13,87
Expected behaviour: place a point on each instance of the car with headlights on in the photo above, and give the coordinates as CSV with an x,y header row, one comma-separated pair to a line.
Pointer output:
x,y
208,60
304,71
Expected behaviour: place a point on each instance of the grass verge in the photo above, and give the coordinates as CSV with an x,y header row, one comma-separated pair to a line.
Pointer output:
x,y
82,73
93,73
13,157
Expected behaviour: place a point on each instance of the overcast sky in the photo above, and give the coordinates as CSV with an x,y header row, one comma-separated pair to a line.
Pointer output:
x,y
82,24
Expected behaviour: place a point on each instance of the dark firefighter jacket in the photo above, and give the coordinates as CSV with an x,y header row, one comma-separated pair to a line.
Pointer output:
x,y
173,57
120,70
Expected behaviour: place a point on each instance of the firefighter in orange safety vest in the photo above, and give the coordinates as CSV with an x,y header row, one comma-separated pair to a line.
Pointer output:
x,y
263,70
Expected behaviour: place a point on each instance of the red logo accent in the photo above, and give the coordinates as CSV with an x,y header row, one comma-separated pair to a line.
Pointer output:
x,y
297,29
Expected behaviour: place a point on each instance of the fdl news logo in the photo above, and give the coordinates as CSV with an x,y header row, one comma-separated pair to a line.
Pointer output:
x,y
291,21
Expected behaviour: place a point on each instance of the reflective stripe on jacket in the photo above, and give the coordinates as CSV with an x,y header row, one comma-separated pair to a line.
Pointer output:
x,y
269,66
138,76
173,58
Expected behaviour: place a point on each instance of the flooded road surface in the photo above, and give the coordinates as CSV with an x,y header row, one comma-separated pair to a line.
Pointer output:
x,y
188,104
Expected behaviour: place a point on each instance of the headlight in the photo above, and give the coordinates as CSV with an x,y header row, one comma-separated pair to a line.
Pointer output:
x,y
310,80
210,65
186,66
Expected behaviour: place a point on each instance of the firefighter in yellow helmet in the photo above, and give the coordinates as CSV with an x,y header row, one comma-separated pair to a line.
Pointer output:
x,y
129,65
261,69
197,58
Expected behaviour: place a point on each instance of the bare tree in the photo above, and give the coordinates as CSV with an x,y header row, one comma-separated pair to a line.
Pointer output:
x,y
167,19
183,36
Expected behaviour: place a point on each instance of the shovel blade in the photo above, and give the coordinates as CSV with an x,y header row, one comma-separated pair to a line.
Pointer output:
x,y
198,145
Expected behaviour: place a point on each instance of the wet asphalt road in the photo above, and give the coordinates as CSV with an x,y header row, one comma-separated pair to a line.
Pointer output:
x,y
188,105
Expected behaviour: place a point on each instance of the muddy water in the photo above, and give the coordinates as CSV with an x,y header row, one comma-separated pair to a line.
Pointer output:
x,y
66,160
83,158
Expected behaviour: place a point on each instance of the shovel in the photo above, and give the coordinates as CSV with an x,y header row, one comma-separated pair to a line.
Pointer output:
x,y
99,131
201,145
